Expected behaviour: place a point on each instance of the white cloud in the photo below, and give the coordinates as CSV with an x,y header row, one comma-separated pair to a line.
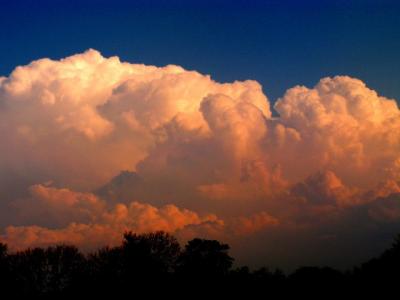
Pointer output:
x,y
197,147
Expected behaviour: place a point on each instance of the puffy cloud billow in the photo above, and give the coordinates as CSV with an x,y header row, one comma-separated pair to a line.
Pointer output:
x,y
92,146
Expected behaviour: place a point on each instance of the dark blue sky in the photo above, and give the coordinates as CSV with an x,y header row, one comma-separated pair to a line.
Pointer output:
x,y
279,43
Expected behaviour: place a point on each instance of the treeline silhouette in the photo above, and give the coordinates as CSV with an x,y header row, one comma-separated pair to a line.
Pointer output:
x,y
155,264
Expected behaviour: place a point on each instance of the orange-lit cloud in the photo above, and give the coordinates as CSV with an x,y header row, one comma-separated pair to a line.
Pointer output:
x,y
87,221
163,148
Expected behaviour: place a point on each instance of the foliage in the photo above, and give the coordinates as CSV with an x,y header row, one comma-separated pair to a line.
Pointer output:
x,y
156,264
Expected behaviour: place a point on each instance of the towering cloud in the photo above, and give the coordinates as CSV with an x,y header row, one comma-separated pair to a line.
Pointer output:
x,y
91,146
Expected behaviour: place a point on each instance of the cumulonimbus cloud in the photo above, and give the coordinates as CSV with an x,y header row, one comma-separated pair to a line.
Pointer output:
x,y
88,221
173,147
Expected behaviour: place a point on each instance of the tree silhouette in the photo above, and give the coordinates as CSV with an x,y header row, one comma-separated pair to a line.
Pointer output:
x,y
155,264
149,255
29,270
205,258
65,268
105,270
46,271
307,278
381,271
3,250
5,276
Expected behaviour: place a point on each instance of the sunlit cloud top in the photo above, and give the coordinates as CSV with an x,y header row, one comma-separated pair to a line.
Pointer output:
x,y
92,146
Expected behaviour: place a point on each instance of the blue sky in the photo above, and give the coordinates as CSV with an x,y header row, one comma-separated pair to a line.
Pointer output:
x,y
278,43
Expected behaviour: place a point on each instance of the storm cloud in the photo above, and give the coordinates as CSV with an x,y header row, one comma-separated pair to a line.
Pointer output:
x,y
92,147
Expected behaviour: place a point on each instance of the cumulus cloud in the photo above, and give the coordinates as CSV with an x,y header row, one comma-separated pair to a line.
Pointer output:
x,y
345,127
324,188
254,223
143,148
86,220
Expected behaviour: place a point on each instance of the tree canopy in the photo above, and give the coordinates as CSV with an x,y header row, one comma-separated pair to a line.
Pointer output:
x,y
156,263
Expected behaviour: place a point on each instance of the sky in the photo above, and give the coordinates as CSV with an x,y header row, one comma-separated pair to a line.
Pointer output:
x,y
273,126
278,43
